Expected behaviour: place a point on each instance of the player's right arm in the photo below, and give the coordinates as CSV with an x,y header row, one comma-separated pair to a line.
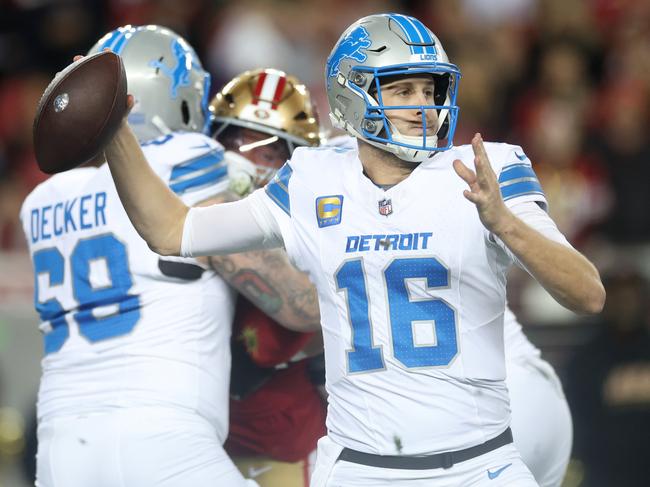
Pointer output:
x,y
167,225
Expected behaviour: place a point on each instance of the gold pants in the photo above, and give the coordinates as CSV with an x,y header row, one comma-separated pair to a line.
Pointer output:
x,y
271,473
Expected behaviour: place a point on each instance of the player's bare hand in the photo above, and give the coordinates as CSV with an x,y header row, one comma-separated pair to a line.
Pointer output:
x,y
484,189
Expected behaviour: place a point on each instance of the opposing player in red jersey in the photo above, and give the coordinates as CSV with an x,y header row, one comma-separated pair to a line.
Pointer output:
x,y
277,414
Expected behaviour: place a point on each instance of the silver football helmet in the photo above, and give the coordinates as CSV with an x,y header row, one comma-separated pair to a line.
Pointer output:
x,y
165,76
389,45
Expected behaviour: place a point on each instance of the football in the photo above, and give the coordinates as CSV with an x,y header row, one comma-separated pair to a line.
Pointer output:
x,y
79,112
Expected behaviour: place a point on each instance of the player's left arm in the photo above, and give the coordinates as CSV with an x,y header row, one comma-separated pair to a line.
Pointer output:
x,y
564,272
269,280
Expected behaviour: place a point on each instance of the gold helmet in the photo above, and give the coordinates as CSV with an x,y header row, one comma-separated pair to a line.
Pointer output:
x,y
264,115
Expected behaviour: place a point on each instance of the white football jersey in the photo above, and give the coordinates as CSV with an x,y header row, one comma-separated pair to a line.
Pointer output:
x,y
124,327
517,345
412,295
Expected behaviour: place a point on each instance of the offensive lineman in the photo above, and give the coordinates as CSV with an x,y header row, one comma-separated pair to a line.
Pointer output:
x,y
134,390
410,276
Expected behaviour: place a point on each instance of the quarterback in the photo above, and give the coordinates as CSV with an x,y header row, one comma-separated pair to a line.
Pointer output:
x,y
408,242
541,420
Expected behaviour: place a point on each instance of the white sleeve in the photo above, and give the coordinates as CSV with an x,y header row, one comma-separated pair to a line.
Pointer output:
x,y
229,228
535,217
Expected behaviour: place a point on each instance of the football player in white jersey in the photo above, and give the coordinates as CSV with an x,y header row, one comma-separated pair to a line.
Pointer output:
x,y
542,428
541,420
134,390
408,242
254,128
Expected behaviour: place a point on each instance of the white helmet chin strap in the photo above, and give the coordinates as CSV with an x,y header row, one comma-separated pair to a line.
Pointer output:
x,y
410,155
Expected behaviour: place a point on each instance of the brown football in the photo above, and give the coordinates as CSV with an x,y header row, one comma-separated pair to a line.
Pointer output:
x,y
79,112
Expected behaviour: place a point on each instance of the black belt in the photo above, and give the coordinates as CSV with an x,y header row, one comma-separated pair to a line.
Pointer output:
x,y
439,460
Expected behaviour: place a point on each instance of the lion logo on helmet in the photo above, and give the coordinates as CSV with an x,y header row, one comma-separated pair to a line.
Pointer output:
x,y
180,74
352,46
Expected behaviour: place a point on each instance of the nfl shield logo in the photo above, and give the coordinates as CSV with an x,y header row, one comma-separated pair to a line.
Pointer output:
x,y
385,207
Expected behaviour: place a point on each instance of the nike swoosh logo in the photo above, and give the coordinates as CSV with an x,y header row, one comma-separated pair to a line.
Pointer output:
x,y
521,157
493,475
256,472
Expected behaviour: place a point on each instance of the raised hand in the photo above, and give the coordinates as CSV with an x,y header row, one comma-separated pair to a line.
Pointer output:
x,y
484,189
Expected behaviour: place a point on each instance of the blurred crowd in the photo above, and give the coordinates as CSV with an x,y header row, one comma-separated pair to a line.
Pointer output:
x,y
568,80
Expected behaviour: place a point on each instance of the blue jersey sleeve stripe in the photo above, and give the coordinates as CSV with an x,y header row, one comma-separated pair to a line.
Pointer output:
x,y
521,188
283,175
278,188
279,196
517,180
204,179
205,161
516,171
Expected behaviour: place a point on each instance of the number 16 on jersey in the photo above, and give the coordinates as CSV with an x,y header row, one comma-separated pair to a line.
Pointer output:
x,y
404,311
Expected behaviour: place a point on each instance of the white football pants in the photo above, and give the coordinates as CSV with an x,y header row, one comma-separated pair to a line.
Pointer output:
x,y
143,447
502,467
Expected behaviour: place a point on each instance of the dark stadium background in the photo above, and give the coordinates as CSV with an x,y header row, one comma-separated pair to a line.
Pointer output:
x,y
569,80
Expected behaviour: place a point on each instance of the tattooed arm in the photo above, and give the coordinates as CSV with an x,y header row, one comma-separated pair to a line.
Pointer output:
x,y
273,284
270,282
